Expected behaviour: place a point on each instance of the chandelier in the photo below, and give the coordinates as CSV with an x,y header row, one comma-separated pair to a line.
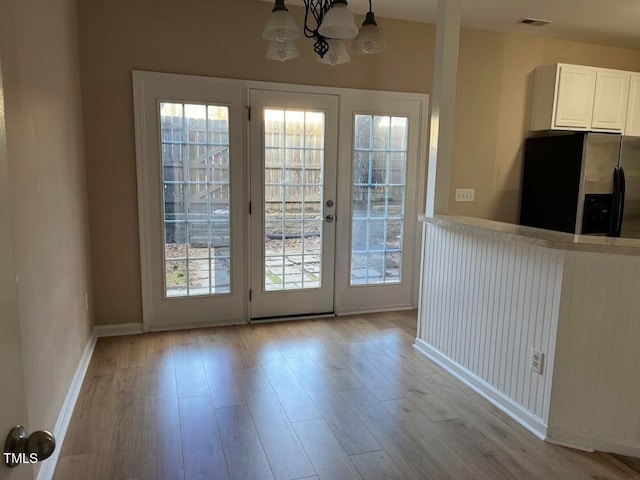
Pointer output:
x,y
328,23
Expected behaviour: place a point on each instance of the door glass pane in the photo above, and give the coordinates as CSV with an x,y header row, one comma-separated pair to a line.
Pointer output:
x,y
378,198
196,189
293,196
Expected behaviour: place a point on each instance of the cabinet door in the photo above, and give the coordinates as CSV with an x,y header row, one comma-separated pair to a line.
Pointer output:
x,y
574,97
632,126
610,102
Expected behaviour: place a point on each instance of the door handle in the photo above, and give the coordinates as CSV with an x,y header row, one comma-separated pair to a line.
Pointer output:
x,y
22,448
329,218
621,202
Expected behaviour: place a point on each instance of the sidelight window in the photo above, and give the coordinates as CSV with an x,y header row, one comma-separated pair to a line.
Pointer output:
x,y
196,198
378,198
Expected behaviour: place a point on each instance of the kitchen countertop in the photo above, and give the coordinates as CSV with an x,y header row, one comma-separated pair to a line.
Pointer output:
x,y
536,236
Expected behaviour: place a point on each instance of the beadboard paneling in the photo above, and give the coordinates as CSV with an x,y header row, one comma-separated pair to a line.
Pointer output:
x,y
485,303
596,382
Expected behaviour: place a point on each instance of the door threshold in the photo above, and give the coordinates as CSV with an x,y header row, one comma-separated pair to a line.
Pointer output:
x,y
285,318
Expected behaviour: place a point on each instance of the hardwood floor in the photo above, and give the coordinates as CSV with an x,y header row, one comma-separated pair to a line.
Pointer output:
x,y
343,398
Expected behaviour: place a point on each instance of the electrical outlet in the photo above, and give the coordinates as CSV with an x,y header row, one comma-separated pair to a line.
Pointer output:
x,y
537,360
465,194
86,301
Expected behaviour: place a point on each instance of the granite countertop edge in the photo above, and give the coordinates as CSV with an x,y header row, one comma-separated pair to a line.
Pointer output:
x,y
535,236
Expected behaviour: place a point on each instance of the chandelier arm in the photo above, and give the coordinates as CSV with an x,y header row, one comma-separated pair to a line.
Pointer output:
x,y
308,32
317,9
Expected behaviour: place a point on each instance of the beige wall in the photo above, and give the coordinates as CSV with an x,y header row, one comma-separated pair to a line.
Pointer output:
x,y
218,38
492,111
47,184
202,37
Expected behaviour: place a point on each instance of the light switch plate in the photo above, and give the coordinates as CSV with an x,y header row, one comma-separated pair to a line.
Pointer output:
x,y
465,194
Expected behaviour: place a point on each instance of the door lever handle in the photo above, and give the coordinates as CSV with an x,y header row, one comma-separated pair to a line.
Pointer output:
x,y
329,218
22,448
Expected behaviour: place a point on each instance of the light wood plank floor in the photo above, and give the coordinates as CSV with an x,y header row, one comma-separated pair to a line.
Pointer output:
x,y
344,398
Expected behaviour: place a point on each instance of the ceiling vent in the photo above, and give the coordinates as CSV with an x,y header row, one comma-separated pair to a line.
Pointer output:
x,y
535,22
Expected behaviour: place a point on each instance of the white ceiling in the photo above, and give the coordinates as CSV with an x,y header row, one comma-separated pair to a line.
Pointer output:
x,y
607,22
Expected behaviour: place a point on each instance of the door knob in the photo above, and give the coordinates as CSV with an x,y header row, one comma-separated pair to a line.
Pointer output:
x,y
329,218
22,448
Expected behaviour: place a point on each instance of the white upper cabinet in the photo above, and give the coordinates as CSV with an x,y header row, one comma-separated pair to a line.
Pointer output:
x,y
562,97
632,126
610,101
576,97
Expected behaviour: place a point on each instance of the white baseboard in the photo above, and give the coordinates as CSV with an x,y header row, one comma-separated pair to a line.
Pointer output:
x,y
516,411
192,325
137,328
583,441
293,318
362,311
118,329
48,467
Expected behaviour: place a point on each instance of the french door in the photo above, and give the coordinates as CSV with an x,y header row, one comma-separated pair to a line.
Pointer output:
x,y
378,192
251,206
190,159
293,203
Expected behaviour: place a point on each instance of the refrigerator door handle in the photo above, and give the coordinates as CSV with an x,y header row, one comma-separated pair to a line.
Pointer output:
x,y
621,193
615,204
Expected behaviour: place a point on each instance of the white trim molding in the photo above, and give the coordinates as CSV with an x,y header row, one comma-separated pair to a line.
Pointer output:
x,y
48,467
521,415
187,325
362,311
143,197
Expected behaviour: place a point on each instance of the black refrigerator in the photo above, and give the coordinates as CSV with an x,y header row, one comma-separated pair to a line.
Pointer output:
x,y
582,183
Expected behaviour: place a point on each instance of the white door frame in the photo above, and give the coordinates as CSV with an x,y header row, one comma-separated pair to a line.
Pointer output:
x,y
143,80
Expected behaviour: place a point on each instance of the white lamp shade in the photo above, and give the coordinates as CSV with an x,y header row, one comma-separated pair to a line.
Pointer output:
x,y
369,40
338,23
337,53
281,27
282,51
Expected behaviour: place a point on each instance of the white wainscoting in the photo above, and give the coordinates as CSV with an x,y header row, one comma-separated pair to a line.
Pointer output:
x,y
596,381
485,303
